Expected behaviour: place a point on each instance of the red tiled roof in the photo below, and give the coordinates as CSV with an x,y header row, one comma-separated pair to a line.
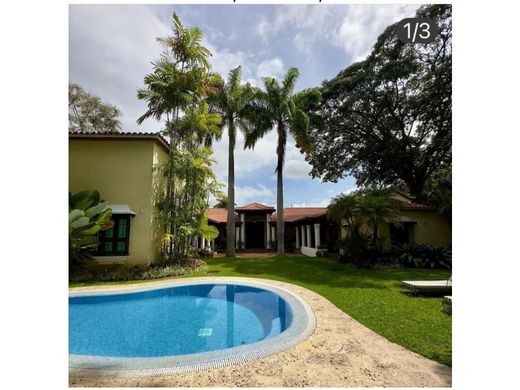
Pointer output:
x,y
416,206
293,214
113,135
218,215
409,204
254,206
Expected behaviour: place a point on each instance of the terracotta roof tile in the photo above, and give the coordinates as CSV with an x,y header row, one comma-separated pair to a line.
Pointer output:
x,y
218,215
416,206
293,214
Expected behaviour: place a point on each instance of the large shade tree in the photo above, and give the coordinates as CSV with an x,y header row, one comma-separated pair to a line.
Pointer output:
x,y
278,108
89,113
387,120
229,100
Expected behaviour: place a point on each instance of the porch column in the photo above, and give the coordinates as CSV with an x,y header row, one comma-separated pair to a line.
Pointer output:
x,y
309,238
317,235
212,244
297,236
267,231
202,242
273,233
237,236
243,227
304,238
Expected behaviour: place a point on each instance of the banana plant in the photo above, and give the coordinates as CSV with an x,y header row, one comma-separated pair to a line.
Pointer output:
x,y
88,215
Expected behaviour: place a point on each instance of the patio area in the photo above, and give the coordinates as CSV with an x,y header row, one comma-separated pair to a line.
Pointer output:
x,y
340,353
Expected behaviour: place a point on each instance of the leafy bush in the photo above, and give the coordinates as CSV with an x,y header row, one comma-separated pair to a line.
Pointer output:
x,y
360,250
119,273
422,256
88,216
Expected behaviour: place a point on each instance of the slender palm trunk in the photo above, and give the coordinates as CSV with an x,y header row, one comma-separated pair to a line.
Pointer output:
x,y
230,245
374,235
280,226
169,197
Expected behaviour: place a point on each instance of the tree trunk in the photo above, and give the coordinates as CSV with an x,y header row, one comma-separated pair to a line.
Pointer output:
x,y
280,227
169,197
230,245
416,187
374,235
373,250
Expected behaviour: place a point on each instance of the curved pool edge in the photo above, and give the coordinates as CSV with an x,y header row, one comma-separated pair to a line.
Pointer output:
x,y
161,366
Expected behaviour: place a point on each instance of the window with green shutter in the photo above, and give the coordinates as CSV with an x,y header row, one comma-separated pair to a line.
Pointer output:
x,y
114,241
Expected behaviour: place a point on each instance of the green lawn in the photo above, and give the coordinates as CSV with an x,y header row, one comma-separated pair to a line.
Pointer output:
x,y
371,296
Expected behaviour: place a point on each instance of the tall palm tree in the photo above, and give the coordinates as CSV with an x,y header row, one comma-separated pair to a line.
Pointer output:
x,y
174,92
229,101
278,108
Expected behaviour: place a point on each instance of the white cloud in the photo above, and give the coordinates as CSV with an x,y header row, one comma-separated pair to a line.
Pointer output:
x,y
223,60
324,202
246,160
110,60
362,25
270,68
354,28
297,169
263,28
248,194
306,20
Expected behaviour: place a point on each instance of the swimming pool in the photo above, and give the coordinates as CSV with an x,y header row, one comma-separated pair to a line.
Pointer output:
x,y
184,327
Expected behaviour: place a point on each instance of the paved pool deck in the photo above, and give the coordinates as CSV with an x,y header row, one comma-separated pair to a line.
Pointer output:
x,y
340,353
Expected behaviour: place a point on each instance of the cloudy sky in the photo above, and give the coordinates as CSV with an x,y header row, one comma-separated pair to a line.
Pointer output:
x,y
111,47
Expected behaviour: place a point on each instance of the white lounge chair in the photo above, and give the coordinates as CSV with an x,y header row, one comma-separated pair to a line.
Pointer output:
x,y
427,286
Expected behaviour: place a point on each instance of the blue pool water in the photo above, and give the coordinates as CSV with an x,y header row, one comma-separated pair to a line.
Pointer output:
x,y
174,321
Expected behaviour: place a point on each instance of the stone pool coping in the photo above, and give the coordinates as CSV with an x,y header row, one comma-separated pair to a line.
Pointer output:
x,y
301,328
340,353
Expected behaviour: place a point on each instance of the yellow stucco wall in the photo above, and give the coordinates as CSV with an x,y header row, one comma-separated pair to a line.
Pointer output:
x,y
431,228
121,170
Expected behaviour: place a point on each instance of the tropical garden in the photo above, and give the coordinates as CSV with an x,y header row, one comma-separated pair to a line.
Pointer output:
x,y
385,120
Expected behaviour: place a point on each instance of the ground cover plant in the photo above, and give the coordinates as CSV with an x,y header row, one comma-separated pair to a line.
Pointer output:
x,y
371,296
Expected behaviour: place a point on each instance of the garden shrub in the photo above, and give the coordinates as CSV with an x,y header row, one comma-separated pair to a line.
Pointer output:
x,y
119,273
422,256
359,251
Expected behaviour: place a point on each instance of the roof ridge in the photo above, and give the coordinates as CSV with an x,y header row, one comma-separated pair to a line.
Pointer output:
x,y
114,135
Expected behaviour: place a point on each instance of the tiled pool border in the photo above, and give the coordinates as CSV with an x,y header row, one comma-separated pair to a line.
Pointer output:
x,y
303,327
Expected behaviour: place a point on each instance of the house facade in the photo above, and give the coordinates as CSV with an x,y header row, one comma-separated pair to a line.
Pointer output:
x,y
121,167
308,229
255,227
418,224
